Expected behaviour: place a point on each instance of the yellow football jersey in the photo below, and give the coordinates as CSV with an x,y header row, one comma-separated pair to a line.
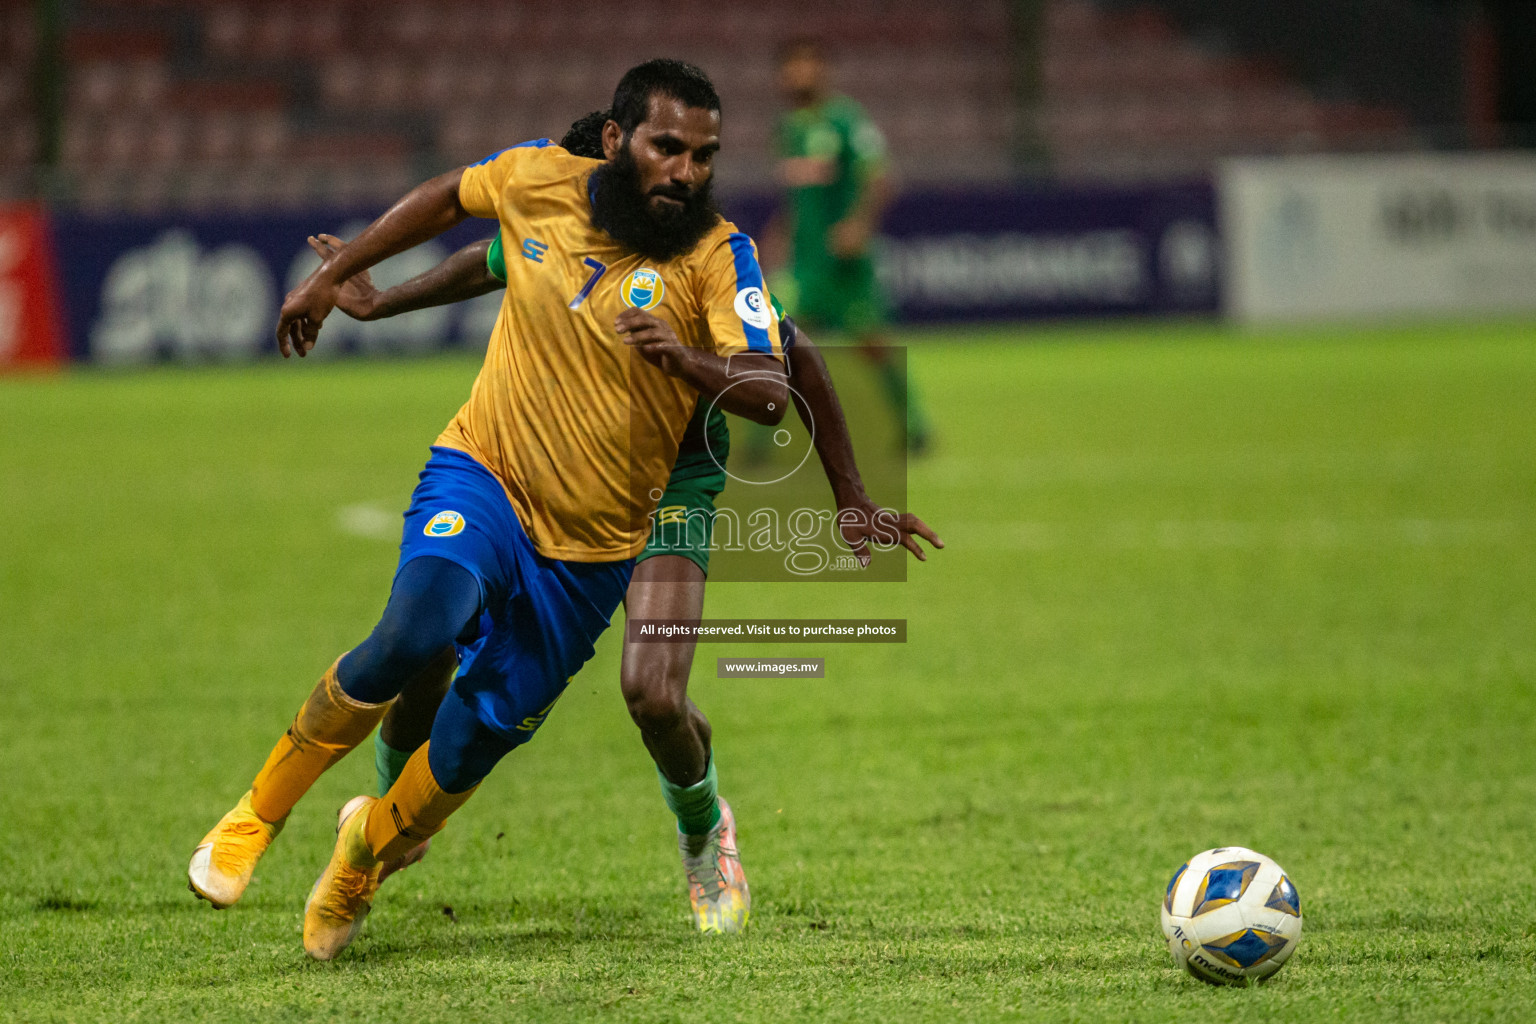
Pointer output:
x,y
580,430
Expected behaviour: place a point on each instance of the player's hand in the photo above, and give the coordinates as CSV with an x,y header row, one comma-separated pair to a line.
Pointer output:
x,y
652,336
304,309
860,520
358,298
849,237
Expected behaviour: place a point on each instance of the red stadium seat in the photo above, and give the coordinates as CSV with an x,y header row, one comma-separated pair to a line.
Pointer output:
x,y
445,81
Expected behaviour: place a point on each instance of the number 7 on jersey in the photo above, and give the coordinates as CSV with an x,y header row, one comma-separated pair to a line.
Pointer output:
x,y
598,270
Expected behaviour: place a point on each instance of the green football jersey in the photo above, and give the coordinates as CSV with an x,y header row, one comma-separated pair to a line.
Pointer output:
x,y
496,259
829,152
705,445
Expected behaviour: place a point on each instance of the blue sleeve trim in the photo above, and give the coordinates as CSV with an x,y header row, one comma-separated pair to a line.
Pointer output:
x,y
750,275
530,144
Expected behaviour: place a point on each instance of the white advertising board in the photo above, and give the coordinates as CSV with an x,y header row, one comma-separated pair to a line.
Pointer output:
x,y
1360,236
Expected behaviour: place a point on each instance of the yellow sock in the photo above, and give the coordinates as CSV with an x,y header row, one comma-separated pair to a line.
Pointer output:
x,y
413,811
326,728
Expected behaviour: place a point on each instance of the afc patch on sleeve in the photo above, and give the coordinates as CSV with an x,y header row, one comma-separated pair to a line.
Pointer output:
x,y
752,307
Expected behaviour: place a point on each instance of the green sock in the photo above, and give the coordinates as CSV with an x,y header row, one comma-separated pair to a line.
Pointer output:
x,y
898,391
388,762
697,806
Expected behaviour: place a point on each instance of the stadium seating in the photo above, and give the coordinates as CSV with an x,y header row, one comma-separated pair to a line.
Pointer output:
x,y
1125,94
261,102
18,142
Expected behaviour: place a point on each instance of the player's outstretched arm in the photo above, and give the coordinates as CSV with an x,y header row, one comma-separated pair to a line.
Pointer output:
x,y
427,211
464,275
850,237
859,519
750,385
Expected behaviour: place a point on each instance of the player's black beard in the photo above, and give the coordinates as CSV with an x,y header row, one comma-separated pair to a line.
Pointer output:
x,y
626,213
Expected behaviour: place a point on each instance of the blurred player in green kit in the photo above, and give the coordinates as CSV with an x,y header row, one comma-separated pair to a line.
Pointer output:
x,y
833,164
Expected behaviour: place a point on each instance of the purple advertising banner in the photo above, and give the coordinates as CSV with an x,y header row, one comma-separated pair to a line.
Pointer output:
x,y
207,288
1019,251
139,289
1023,252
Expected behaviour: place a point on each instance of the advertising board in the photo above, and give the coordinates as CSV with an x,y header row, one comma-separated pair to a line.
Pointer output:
x,y
1346,236
30,332
207,288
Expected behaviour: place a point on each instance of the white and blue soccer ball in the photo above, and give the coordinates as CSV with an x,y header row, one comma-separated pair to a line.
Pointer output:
x,y
1231,916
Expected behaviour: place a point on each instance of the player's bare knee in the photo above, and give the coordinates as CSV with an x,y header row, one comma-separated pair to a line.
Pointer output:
x,y
657,699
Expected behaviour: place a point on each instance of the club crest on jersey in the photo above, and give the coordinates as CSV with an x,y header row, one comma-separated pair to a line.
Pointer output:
x,y
444,524
643,289
752,307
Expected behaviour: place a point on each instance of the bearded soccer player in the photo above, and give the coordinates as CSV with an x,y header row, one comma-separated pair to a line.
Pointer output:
x,y
668,582
521,536
833,165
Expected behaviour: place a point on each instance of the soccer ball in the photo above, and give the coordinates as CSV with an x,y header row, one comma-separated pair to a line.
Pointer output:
x,y
1231,916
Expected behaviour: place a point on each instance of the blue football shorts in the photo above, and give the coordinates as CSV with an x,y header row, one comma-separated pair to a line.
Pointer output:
x,y
539,618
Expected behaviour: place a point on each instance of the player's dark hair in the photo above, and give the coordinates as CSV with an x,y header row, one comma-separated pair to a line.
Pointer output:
x,y
678,79
585,136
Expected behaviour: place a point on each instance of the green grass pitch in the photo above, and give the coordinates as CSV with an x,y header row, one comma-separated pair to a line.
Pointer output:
x,y
1202,588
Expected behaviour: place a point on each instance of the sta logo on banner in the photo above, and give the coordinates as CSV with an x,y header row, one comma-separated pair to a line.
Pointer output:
x,y
175,294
